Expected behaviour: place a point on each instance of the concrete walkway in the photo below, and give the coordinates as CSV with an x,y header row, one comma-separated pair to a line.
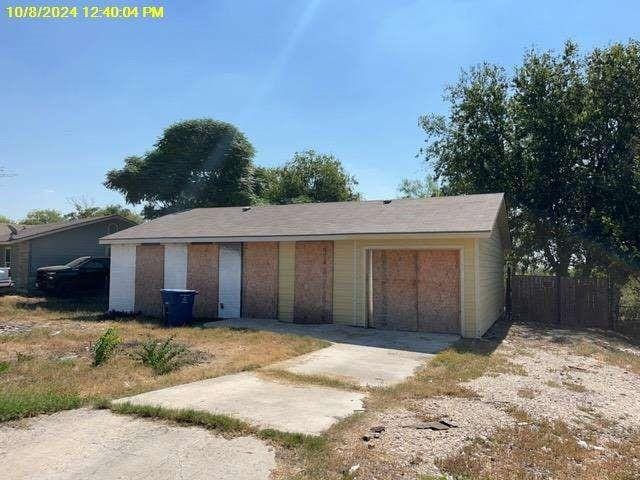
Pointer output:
x,y
99,445
263,403
361,356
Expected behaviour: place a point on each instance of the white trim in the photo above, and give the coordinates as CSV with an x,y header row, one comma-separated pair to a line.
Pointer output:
x,y
354,306
460,249
122,278
4,256
476,254
299,238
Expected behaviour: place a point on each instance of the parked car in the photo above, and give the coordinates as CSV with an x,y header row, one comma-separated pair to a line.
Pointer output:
x,y
5,279
84,273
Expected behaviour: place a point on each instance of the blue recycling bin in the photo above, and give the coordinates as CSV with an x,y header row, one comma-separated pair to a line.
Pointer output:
x,y
177,306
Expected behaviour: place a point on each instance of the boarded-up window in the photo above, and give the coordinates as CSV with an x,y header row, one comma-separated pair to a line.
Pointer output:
x,y
260,280
313,282
149,279
416,290
202,275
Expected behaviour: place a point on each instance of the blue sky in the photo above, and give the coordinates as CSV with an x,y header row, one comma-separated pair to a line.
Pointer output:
x,y
341,76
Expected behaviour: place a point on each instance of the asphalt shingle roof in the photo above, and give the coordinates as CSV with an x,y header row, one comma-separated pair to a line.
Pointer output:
x,y
26,231
458,214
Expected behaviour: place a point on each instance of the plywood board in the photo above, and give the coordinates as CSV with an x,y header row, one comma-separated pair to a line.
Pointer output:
x,y
313,282
260,280
202,275
438,289
394,290
149,279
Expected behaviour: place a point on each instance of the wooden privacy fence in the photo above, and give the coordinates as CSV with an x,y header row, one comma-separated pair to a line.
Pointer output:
x,y
581,302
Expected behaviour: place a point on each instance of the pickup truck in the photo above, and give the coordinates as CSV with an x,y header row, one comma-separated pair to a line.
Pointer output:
x,y
83,273
5,278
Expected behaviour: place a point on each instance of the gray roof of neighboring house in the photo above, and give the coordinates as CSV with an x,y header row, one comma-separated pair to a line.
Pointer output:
x,y
25,232
459,214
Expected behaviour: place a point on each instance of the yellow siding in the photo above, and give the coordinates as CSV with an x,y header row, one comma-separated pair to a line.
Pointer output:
x,y
350,277
490,281
343,281
286,279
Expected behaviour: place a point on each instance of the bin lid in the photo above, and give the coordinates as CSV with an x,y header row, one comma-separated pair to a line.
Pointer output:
x,y
178,290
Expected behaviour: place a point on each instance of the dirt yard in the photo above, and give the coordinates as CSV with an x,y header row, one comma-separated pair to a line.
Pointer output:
x,y
45,354
530,403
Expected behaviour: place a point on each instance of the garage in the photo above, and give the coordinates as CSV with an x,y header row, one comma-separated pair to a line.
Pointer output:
x,y
415,290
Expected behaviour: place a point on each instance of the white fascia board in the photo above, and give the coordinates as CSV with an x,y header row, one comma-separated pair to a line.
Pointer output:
x,y
298,238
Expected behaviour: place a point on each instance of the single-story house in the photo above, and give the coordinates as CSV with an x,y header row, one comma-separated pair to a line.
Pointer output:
x,y
25,248
434,265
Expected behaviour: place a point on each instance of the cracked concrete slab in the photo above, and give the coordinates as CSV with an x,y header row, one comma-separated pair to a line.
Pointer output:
x,y
362,365
263,403
99,445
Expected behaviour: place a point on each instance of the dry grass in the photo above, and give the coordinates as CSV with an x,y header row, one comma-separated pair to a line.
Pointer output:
x,y
53,357
608,353
304,379
529,393
444,374
574,387
542,449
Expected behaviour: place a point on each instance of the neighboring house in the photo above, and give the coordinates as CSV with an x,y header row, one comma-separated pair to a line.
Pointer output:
x,y
434,265
25,248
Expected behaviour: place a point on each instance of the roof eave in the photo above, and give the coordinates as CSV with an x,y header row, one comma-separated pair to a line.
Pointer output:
x,y
285,238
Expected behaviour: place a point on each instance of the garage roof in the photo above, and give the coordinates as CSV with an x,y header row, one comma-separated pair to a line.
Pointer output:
x,y
468,214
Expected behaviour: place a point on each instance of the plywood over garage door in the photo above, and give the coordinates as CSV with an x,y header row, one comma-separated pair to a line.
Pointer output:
x,y
202,275
416,290
149,279
313,282
260,280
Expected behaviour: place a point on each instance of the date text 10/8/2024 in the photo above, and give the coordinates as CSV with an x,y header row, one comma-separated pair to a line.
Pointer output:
x,y
73,12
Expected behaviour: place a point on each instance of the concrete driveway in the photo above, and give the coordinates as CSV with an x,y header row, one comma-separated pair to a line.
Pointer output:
x,y
99,445
361,356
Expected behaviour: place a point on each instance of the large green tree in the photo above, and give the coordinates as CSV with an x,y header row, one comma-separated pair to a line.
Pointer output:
x,y
195,163
85,208
416,188
308,177
39,217
560,137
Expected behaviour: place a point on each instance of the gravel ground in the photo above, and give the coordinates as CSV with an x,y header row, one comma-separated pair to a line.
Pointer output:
x,y
13,329
556,382
417,449
579,390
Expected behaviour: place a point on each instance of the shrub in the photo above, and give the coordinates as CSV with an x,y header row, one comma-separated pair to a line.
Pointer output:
x,y
162,357
105,346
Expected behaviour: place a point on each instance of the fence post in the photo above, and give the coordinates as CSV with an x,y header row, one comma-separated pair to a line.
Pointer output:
x,y
508,300
560,322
